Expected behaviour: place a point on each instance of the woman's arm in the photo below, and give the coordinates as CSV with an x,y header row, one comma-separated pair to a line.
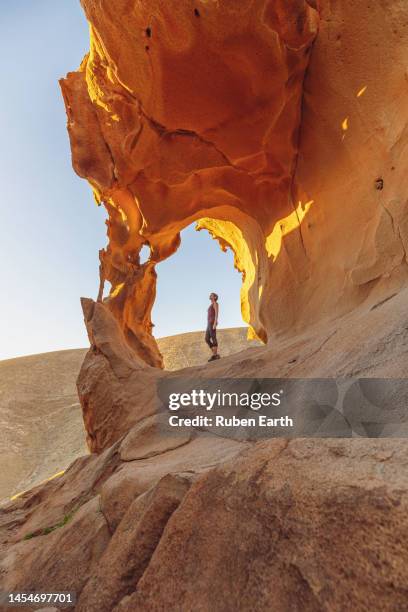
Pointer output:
x,y
216,315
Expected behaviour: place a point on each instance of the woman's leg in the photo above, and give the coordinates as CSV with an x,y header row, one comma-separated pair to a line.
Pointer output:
x,y
214,342
208,337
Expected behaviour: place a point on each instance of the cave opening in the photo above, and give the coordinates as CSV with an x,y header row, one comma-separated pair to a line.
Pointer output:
x,y
157,284
184,283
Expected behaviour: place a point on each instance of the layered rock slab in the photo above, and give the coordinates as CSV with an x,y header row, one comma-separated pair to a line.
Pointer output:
x,y
300,525
305,525
76,526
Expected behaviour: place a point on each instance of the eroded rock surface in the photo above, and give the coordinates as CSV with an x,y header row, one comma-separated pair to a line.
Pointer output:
x,y
277,525
300,524
280,127
186,112
372,341
40,413
305,525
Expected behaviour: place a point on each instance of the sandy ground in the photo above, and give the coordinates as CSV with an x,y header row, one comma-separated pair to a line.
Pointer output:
x,y
40,416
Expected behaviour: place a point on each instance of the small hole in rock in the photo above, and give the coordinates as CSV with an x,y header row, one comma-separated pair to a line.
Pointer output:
x,y
149,32
196,12
144,254
147,48
379,184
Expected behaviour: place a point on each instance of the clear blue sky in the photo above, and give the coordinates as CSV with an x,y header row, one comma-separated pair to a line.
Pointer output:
x,y
50,229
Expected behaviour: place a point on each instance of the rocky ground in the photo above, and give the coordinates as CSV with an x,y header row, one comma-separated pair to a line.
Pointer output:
x,y
302,524
40,414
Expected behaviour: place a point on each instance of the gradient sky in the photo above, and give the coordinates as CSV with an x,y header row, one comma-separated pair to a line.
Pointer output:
x,y
50,228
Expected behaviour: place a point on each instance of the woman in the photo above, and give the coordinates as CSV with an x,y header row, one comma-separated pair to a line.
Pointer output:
x,y
212,322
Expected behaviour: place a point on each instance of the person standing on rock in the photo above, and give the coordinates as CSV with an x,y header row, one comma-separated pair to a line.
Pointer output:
x,y
212,322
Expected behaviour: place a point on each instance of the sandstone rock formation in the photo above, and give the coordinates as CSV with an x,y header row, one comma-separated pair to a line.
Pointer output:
x,y
189,113
278,126
299,524
40,414
275,530
285,525
117,395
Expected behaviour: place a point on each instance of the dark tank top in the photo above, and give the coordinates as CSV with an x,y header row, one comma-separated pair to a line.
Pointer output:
x,y
211,314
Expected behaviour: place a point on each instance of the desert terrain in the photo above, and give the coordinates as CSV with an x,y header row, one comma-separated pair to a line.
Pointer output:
x,y
40,414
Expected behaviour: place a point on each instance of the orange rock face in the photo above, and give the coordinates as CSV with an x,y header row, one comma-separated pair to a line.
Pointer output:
x,y
184,113
279,126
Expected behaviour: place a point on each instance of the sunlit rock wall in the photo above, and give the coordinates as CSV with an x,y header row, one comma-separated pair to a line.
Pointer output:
x,y
270,123
352,163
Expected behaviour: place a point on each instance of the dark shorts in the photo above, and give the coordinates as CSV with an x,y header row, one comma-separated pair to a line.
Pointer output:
x,y
211,336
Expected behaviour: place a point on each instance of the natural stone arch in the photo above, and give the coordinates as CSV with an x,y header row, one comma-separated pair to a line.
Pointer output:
x,y
195,119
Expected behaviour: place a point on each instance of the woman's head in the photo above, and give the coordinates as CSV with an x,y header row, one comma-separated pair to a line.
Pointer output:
x,y
213,297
